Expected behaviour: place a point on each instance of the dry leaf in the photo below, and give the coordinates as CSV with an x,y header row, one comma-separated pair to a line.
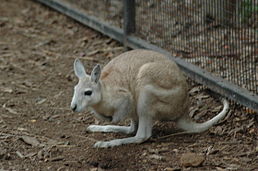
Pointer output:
x,y
22,129
33,120
6,90
193,111
157,157
194,90
19,154
10,109
192,159
30,140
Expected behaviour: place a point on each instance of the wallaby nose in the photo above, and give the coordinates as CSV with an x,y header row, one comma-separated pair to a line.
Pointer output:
x,y
74,107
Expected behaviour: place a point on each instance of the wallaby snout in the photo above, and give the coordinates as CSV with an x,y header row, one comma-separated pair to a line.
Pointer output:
x,y
73,107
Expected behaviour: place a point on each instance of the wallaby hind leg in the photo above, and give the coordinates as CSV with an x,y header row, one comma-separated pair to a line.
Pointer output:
x,y
144,131
145,113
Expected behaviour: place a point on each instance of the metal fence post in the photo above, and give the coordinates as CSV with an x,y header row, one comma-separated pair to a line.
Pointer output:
x,y
129,18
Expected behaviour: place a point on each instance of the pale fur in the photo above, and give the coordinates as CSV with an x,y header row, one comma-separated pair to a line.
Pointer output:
x,y
141,85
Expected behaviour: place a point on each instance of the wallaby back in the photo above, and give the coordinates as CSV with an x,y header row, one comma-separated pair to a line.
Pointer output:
x,y
127,69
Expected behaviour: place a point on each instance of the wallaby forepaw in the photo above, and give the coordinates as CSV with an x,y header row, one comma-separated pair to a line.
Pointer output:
x,y
107,144
92,128
101,144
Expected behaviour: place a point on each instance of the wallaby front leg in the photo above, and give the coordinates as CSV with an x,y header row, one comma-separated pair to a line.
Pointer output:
x,y
143,133
114,128
124,107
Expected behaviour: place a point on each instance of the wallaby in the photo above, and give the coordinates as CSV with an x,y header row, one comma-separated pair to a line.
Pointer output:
x,y
142,85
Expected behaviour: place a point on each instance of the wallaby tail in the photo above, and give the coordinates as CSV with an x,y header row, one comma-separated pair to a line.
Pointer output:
x,y
187,124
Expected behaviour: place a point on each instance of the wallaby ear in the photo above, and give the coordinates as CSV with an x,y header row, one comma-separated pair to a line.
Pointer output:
x,y
79,69
95,74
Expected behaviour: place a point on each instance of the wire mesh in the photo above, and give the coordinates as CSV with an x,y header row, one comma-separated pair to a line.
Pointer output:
x,y
220,36
217,35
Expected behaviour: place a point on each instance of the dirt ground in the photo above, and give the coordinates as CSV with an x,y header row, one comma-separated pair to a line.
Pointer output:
x,y
38,131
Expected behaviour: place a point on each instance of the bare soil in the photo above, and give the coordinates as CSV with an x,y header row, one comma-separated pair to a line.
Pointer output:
x,y
39,132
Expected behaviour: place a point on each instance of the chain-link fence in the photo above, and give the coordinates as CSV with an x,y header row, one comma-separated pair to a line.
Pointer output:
x,y
219,36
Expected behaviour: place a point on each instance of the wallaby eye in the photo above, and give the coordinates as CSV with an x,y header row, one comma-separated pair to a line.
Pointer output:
x,y
88,93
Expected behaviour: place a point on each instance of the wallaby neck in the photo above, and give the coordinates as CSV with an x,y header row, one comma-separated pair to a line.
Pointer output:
x,y
105,105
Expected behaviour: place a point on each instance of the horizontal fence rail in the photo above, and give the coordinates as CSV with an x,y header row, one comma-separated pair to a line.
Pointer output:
x,y
215,83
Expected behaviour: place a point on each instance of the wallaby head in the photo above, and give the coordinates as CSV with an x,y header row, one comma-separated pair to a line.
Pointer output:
x,y
88,90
